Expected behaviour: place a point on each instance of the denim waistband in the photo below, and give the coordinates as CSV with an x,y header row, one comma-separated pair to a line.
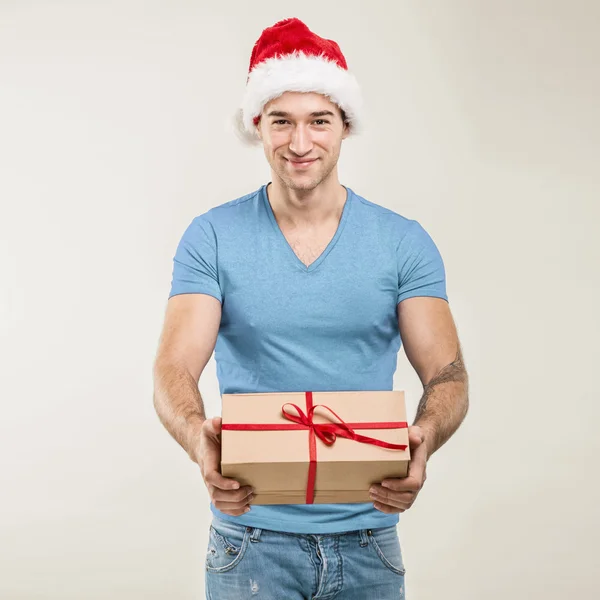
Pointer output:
x,y
255,532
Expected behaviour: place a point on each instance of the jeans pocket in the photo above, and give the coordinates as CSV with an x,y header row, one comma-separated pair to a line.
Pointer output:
x,y
386,543
227,545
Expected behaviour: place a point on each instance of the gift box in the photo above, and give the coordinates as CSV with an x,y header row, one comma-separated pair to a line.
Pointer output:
x,y
314,447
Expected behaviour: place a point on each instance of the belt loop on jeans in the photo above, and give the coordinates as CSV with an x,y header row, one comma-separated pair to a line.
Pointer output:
x,y
362,535
255,537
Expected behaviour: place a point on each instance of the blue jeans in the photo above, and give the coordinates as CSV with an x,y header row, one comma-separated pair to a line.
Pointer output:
x,y
247,562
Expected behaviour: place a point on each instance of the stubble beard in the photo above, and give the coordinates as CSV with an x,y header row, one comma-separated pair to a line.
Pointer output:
x,y
305,184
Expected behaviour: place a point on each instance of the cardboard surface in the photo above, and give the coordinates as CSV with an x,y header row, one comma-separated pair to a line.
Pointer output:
x,y
275,463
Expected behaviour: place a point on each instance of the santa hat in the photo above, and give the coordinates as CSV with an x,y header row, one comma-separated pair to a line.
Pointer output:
x,y
289,57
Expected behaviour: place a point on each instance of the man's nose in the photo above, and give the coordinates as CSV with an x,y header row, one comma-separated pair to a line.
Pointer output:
x,y
301,142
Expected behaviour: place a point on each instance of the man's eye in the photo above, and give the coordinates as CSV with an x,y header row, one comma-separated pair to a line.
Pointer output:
x,y
284,122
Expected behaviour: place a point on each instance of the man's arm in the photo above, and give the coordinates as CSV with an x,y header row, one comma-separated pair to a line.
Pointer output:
x,y
187,342
432,347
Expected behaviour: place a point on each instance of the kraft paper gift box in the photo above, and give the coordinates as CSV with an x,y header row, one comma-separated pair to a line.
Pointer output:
x,y
294,460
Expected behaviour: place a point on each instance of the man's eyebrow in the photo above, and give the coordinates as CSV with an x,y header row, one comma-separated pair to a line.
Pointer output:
x,y
281,113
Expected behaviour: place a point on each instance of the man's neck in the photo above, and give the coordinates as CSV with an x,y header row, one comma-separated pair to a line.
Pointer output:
x,y
312,208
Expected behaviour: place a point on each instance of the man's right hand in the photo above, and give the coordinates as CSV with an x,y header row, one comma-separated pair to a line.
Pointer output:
x,y
225,494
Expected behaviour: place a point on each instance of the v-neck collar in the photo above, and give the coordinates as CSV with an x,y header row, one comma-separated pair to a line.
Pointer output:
x,y
313,265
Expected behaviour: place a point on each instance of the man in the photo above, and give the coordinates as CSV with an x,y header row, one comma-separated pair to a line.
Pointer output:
x,y
305,285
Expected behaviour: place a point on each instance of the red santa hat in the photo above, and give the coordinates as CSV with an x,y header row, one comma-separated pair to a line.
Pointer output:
x,y
289,57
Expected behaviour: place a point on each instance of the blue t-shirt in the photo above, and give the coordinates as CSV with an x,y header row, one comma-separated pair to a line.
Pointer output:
x,y
286,327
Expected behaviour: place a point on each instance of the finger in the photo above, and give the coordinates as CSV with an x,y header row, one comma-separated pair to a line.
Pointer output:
x,y
230,495
232,509
221,505
415,479
406,484
384,495
384,508
211,458
236,513
211,431
393,503
415,437
214,478
211,443
396,485
212,426
397,500
418,464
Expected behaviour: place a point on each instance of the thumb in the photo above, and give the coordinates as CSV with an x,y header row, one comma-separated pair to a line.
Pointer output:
x,y
415,436
213,426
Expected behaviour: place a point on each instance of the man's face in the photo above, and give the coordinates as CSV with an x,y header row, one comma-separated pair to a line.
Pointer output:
x,y
302,136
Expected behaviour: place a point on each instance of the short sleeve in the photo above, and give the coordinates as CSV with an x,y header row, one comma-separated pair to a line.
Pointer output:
x,y
421,269
195,261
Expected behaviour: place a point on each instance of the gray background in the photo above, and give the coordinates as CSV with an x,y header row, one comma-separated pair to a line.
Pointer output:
x,y
482,123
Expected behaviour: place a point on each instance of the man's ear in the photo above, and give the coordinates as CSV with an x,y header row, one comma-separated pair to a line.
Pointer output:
x,y
258,131
346,132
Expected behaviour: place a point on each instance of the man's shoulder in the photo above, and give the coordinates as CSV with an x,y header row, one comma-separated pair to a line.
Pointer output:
x,y
229,212
239,201
247,201
383,216
407,233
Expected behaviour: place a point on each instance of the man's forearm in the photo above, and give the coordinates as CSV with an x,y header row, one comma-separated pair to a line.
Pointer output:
x,y
444,404
178,404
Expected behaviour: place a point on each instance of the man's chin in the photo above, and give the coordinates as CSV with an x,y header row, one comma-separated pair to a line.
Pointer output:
x,y
300,183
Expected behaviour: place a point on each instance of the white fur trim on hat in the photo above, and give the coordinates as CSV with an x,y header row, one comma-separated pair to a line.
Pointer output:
x,y
297,72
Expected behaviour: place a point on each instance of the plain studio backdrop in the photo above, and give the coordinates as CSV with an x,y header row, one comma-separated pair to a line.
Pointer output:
x,y
482,123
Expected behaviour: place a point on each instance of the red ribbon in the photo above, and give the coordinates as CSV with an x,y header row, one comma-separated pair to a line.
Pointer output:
x,y
326,432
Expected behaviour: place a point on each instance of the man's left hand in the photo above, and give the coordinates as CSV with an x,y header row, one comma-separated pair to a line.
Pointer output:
x,y
397,495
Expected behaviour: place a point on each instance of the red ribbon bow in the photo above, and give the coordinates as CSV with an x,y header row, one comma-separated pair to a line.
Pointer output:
x,y
326,432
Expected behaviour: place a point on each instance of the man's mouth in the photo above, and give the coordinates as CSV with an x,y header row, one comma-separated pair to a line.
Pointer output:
x,y
302,164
